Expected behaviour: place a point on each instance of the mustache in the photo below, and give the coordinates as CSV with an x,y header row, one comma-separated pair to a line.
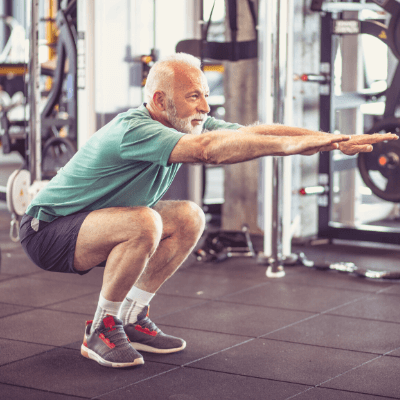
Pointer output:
x,y
201,117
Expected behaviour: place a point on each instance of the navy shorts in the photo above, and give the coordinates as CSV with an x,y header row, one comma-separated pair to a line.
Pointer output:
x,y
51,245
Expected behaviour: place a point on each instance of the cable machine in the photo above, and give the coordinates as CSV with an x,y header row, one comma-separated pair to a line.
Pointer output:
x,y
47,140
380,169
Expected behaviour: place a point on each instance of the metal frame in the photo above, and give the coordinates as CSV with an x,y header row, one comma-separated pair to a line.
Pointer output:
x,y
329,103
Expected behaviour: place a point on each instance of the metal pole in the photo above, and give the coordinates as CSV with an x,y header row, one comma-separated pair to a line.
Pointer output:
x,y
85,66
279,62
35,135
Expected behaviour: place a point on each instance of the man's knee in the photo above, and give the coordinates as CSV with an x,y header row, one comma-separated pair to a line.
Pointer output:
x,y
192,218
150,227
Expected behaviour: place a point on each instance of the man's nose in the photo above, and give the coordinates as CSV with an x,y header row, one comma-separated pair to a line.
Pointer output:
x,y
204,107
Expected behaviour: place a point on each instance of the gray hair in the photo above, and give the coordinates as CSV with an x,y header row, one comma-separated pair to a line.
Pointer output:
x,y
161,74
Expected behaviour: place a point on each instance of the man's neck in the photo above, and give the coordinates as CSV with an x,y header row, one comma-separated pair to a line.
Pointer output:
x,y
154,114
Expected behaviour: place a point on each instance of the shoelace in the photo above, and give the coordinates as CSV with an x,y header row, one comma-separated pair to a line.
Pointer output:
x,y
148,323
115,335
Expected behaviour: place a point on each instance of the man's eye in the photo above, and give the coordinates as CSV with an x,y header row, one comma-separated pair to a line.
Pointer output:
x,y
195,96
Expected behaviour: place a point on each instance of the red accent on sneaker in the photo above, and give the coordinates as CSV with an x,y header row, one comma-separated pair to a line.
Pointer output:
x,y
109,321
106,341
147,331
89,322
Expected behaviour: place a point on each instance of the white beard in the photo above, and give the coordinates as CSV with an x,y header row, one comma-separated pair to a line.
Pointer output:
x,y
184,125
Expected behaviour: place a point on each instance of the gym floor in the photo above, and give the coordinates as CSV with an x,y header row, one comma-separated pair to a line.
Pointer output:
x,y
310,335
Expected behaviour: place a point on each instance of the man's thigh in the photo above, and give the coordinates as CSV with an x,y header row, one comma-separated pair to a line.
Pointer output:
x,y
104,229
179,216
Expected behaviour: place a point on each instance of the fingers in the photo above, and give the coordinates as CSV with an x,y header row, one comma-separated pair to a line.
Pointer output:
x,y
339,138
329,147
374,138
351,151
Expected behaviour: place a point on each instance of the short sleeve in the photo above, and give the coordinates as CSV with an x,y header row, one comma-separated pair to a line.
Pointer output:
x,y
148,140
213,124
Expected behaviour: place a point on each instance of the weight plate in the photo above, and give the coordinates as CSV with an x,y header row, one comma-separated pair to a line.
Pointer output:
x,y
380,169
17,195
57,151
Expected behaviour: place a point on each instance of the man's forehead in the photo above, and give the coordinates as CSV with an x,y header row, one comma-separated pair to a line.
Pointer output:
x,y
190,78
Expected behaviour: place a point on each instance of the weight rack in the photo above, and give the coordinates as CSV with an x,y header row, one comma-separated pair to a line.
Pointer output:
x,y
331,26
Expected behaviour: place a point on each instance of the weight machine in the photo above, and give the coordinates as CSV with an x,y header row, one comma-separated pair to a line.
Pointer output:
x,y
280,94
380,169
59,114
48,139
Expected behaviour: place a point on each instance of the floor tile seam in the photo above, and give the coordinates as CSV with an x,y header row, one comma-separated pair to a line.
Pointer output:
x,y
10,279
45,278
135,383
340,390
219,351
69,299
364,318
202,273
45,306
20,312
323,347
243,290
264,306
45,391
310,317
186,296
385,289
186,308
246,376
392,356
346,372
48,308
204,330
34,355
392,294
329,287
290,309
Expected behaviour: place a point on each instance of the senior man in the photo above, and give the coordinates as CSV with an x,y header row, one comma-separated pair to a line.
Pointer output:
x,y
103,208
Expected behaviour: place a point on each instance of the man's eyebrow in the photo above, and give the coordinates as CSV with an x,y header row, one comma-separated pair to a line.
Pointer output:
x,y
196,91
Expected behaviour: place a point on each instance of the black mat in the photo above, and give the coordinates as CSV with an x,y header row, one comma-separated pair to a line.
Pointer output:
x,y
310,335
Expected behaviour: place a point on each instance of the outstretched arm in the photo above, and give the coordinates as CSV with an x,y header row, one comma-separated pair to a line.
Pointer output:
x,y
230,147
357,143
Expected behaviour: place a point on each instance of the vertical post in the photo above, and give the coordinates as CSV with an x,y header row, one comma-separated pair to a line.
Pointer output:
x,y
194,11
279,62
265,106
35,134
325,124
86,123
288,23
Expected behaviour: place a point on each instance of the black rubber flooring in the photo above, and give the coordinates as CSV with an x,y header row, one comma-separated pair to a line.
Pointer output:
x,y
310,335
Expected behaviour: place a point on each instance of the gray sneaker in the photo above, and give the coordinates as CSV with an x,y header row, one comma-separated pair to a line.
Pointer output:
x,y
109,345
145,336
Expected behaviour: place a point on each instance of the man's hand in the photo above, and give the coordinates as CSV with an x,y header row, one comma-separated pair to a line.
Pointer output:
x,y
363,143
308,145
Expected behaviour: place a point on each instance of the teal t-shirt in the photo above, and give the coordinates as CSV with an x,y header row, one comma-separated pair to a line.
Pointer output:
x,y
124,164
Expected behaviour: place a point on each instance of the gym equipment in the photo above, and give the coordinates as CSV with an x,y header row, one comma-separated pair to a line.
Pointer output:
x,y
383,178
232,51
220,245
59,115
19,190
56,152
380,169
344,267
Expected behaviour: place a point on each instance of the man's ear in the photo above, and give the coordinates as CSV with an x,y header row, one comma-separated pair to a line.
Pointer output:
x,y
160,100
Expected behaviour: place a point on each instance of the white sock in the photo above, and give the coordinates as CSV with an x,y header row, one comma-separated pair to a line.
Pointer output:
x,y
105,307
133,304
